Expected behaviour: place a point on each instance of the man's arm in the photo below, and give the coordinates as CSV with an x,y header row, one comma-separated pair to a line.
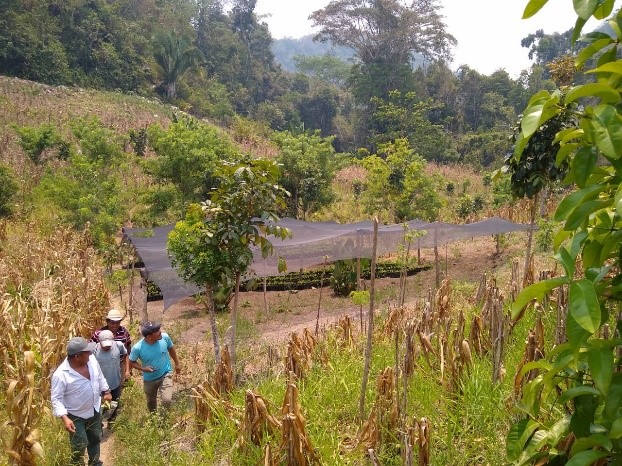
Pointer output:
x,y
173,354
58,408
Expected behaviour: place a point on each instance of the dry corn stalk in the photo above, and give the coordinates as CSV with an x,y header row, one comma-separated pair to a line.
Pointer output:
x,y
345,331
258,422
299,353
423,441
223,378
442,299
295,447
477,336
393,322
56,287
209,406
268,458
370,434
410,352
383,417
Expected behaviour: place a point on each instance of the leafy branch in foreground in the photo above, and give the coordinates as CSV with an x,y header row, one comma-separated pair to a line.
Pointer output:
x,y
572,410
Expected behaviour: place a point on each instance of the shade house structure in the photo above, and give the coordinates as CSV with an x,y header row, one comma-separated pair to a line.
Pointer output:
x,y
310,244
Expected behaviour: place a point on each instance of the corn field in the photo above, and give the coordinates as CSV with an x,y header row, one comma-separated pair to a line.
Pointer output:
x,y
51,289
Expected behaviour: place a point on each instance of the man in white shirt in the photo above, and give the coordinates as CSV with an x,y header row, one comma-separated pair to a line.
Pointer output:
x,y
78,385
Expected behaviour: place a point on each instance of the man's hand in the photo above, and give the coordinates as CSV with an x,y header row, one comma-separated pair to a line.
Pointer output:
x,y
108,396
69,425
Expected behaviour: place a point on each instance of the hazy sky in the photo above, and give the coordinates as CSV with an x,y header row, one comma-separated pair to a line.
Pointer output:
x,y
488,31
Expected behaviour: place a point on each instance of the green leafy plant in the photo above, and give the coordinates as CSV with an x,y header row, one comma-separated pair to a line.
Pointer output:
x,y
571,410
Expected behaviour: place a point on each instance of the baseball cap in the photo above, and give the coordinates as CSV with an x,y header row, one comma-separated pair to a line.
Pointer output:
x,y
114,314
78,344
147,328
106,338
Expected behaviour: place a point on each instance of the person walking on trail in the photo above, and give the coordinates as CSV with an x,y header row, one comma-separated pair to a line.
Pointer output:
x,y
78,385
113,323
112,358
155,351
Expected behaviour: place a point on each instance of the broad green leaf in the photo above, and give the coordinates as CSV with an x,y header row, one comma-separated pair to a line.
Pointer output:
x,y
604,91
539,364
572,201
601,367
517,437
590,50
533,7
587,443
585,8
581,214
616,429
604,10
583,305
537,113
577,391
586,458
608,130
566,260
583,164
613,400
613,67
535,291
576,334
618,201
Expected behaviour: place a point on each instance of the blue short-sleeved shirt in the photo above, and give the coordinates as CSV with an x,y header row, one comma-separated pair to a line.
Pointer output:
x,y
155,355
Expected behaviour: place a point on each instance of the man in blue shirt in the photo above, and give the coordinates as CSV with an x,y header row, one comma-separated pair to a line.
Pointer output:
x,y
155,351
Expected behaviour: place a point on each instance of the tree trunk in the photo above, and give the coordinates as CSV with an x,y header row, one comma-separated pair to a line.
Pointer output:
x,y
171,90
370,326
234,319
534,205
209,304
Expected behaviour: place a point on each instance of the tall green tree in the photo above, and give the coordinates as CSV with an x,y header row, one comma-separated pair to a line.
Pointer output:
x,y
307,162
571,411
387,36
187,154
213,246
175,56
397,186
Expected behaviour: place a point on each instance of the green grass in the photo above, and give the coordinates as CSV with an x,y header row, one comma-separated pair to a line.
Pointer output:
x,y
467,427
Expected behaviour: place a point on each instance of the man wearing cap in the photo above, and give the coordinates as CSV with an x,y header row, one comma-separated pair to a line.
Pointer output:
x,y
111,356
155,351
113,323
78,386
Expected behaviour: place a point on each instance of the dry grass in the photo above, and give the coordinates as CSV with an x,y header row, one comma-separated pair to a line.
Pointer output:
x,y
51,285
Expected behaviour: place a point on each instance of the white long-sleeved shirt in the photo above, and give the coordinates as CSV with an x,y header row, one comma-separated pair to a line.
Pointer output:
x,y
75,394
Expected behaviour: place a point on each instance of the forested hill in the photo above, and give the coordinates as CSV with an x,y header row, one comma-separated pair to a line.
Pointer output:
x,y
219,63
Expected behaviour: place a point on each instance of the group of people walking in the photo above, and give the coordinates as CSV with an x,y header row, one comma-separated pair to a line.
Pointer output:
x,y
95,371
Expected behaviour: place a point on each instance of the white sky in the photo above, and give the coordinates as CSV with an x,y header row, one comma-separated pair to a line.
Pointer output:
x,y
488,31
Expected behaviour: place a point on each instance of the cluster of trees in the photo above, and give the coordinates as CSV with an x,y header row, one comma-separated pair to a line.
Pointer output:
x,y
218,62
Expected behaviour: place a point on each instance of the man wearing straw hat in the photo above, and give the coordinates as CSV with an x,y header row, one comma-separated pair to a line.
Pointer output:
x,y
78,386
113,323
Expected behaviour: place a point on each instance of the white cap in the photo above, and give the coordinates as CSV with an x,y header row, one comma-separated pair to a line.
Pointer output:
x,y
106,338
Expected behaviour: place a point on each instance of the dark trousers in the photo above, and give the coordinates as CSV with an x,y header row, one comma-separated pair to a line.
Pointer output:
x,y
116,395
88,436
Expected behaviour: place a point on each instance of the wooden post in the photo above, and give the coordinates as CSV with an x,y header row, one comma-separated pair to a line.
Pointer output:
x,y
370,328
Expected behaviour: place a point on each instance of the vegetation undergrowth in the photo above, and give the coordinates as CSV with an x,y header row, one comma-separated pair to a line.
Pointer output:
x,y
467,420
